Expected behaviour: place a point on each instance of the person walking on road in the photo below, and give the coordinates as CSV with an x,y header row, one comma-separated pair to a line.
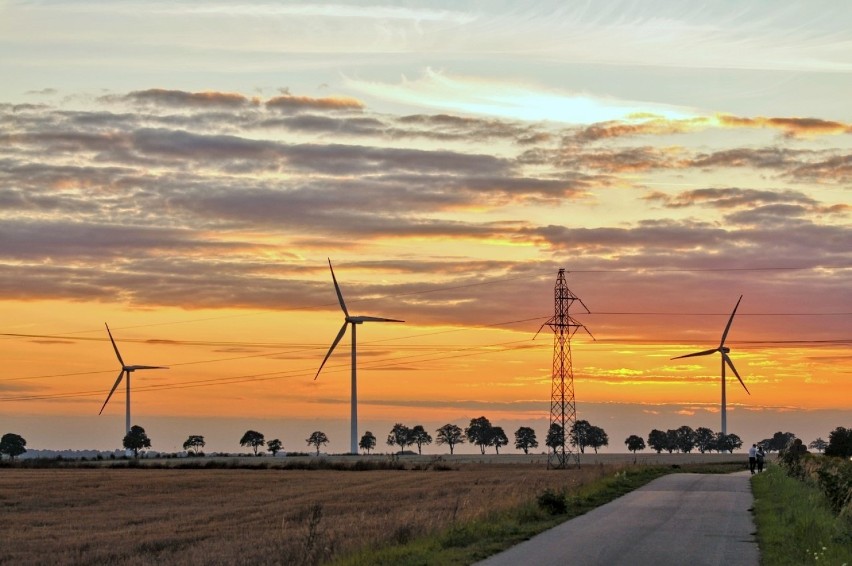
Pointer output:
x,y
759,456
752,458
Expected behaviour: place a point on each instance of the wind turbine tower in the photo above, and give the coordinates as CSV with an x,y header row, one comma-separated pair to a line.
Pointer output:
x,y
354,321
726,360
125,369
563,410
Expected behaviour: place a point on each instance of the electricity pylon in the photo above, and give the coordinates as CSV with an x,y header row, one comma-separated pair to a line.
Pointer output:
x,y
563,410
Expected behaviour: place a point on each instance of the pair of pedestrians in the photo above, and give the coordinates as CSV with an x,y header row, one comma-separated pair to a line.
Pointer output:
x,y
756,456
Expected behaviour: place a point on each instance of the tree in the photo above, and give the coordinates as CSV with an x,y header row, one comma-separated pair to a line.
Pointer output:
x,y
634,443
727,442
580,433
705,439
657,440
419,436
685,439
274,446
13,445
597,438
671,440
839,442
368,442
195,442
819,444
450,435
778,442
136,440
525,439
317,438
555,436
400,435
498,438
479,432
252,438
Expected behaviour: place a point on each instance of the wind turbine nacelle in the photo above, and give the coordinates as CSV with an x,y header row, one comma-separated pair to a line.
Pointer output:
x,y
724,349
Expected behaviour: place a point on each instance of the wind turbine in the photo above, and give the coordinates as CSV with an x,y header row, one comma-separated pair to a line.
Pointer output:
x,y
724,350
354,321
124,369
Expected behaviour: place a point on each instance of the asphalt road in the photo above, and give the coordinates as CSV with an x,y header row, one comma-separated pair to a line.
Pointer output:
x,y
678,519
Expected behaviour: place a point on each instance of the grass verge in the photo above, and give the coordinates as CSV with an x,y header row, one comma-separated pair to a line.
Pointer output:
x,y
473,540
795,522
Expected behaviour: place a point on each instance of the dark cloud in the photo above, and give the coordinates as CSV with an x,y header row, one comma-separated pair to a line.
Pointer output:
x,y
204,199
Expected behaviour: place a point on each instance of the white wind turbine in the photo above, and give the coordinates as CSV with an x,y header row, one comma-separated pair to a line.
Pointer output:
x,y
724,350
354,321
124,369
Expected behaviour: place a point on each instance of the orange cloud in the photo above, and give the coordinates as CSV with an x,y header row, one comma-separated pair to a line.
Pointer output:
x,y
289,102
790,126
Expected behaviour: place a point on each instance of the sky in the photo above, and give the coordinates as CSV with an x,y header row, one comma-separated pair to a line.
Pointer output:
x,y
184,171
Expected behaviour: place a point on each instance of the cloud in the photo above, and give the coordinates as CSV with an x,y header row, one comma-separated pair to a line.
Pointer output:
x,y
790,126
504,100
225,203
182,99
289,103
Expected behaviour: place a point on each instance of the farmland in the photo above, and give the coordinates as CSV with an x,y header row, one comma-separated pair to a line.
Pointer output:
x,y
266,515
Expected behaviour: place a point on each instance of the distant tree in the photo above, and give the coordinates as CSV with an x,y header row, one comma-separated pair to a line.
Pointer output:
x,y
136,440
498,438
195,442
705,439
597,438
580,435
252,438
685,439
317,438
727,442
819,444
657,440
555,436
400,435
634,443
778,442
368,442
419,436
525,439
839,442
274,446
12,445
450,435
671,440
479,432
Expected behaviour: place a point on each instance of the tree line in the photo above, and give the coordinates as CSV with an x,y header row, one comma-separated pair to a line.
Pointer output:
x,y
481,433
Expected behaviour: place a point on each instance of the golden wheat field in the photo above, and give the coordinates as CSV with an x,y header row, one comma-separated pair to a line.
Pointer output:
x,y
253,516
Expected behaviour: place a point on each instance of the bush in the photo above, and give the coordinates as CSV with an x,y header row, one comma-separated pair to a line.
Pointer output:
x,y
552,502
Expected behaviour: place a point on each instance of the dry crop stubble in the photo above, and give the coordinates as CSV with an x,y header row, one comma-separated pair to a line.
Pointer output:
x,y
155,516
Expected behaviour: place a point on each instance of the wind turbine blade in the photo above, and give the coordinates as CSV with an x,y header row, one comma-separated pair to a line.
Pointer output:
x,y
736,373
730,320
333,346
704,353
337,288
374,319
134,368
111,391
114,347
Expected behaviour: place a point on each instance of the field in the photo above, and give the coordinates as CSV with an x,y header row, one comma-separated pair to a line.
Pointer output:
x,y
105,515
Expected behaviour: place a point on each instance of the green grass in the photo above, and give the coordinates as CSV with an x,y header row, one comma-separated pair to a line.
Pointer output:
x,y
468,542
795,522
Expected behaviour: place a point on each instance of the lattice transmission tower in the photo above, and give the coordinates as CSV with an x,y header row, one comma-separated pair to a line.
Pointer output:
x,y
563,410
